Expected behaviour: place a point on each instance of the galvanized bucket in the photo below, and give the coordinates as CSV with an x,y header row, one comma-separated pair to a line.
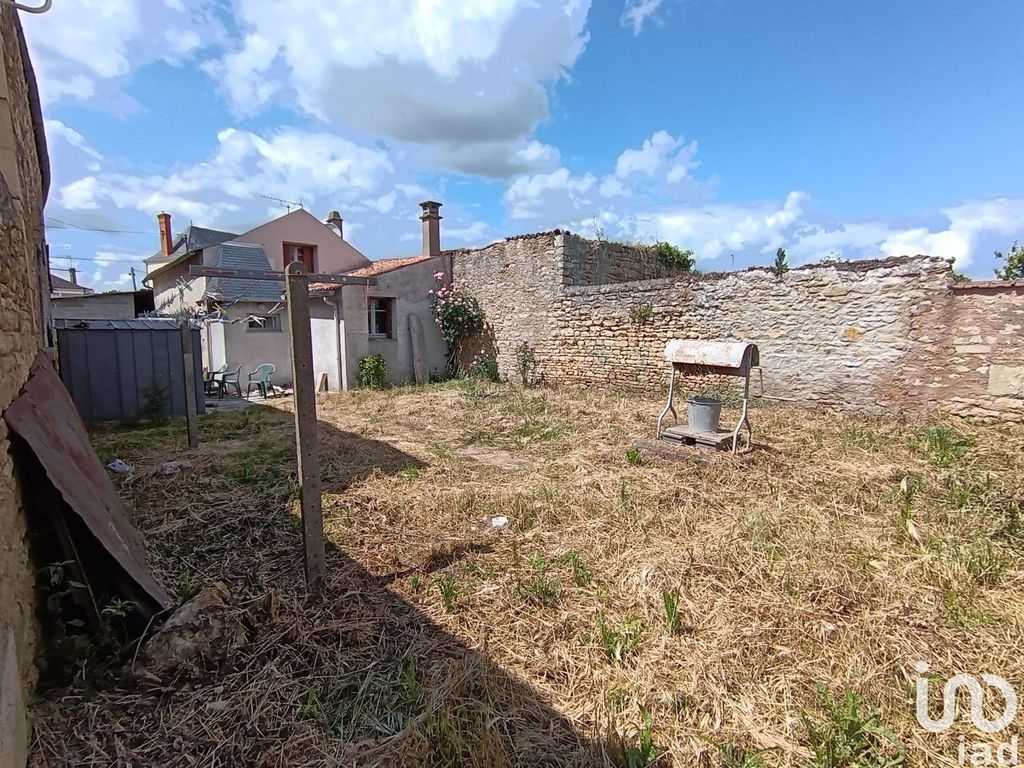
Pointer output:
x,y
704,413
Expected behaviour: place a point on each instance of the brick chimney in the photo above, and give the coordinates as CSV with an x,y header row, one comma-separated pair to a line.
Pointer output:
x,y
431,219
163,221
73,275
334,220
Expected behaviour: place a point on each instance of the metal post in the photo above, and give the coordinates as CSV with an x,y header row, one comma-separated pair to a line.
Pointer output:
x,y
191,413
307,445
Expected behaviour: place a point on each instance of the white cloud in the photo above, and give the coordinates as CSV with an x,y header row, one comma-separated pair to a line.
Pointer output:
x,y
657,153
55,129
474,233
652,195
637,13
82,45
661,166
554,194
287,163
467,80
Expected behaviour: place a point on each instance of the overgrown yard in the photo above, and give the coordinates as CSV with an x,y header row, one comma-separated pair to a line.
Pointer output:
x,y
765,610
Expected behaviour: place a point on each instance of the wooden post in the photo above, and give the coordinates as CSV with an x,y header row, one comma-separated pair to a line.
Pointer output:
x,y
307,444
191,412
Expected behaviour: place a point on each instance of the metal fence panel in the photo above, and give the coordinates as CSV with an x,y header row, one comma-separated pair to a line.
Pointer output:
x,y
108,367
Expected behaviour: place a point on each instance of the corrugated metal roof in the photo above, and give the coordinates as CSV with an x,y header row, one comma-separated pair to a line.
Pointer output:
x,y
242,256
139,324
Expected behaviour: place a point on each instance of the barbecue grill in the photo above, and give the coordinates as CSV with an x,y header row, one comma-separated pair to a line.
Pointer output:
x,y
700,358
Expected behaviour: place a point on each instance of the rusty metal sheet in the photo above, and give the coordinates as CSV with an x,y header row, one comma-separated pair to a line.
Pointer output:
x,y
45,417
717,354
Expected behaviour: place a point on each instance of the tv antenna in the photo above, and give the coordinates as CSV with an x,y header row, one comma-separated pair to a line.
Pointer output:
x,y
289,204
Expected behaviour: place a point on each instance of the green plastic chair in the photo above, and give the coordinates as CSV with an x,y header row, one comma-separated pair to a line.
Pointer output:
x,y
212,379
260,378
229,378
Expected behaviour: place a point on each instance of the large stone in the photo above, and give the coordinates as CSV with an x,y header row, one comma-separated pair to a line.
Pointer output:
x,y
1006,380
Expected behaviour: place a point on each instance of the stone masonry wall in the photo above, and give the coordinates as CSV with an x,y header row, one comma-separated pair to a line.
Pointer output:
x,y
21,334
598,262
830,335
876,336
969,352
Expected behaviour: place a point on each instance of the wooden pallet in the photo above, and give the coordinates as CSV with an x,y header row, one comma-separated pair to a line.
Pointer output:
x,y
720,440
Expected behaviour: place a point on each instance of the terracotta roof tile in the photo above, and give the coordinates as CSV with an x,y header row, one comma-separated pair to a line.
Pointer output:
x,y
371,270
386,265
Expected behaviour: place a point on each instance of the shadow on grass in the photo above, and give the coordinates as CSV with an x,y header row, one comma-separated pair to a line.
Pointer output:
x,y
359,676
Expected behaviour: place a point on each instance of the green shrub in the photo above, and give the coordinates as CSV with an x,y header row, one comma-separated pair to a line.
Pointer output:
x,y
373,370
641,313
781,265
676,257
526,362
484,366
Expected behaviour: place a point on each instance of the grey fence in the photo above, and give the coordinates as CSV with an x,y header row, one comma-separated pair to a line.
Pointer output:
x,y
114,368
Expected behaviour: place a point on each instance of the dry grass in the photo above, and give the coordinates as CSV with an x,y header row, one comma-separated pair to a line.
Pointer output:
x,y
680,612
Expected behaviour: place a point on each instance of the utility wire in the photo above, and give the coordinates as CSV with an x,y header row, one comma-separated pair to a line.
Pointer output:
x,y
140,260
58,224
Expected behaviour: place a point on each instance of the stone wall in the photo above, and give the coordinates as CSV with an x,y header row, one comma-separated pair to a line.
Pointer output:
x,y
969,351
875,336
23,172
598,262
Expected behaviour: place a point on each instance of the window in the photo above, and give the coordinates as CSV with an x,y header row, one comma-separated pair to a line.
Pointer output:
x,y
264,323
299,252
380,319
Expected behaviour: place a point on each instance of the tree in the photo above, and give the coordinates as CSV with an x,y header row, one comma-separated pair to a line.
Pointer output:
x,y
781,265
1014,267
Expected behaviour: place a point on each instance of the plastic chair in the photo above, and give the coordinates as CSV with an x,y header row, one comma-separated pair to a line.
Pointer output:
x,y
260,378
229,378
211,379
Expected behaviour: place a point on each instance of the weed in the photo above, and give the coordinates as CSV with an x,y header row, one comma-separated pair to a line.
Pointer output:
x,y
909,486
154,405
449,590
188,586
580,570
526,362
735,756
645,752
849,735
982,562
641,313
413,689
540,588
415,582
781,265
634,457
670,599
373,370
410,471
621,642
942,447
538,430
864,438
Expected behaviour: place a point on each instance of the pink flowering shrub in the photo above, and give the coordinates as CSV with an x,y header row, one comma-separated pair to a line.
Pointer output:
x,y
484,366
455,311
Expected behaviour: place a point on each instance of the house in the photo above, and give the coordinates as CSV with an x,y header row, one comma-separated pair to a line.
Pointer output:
x,y
109,305
244,320
59,287
379,319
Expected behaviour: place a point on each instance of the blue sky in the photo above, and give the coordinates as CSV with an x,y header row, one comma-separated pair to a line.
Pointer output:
x,y
831,129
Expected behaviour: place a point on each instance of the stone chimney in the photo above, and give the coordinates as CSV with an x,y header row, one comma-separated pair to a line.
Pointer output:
x,y
334,220
163,221
431,218
73,275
